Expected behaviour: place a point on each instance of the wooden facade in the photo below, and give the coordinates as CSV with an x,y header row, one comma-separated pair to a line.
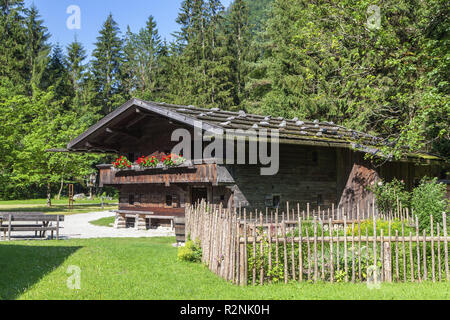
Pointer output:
x,y
318,165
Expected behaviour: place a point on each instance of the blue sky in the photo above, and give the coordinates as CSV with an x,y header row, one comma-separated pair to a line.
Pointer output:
x,y
94,13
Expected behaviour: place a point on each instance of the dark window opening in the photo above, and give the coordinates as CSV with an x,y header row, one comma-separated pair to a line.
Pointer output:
x,y
276,201
169,200
314,158
222,197
319,200
131,199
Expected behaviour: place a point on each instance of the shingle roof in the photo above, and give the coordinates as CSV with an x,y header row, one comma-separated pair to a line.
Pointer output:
x,y
293,131
288,128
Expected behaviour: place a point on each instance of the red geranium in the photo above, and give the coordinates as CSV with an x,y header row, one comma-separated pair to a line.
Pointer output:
x,y
173,160
122,163
147,161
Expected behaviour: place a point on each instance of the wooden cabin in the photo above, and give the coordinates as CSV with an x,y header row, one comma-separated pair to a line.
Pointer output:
x,y
319,163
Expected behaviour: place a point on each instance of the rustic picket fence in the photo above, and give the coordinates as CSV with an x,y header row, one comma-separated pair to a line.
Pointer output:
x,y
305,246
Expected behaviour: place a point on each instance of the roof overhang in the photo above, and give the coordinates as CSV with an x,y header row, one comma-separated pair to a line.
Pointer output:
x,y
138,106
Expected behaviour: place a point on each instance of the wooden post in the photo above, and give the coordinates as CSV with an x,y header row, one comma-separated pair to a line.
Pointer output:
x,y
285,253
382,253
338,266
57,227
270,248
425,272
238,250
316,270
353,252
411,259
404,252
433,274
323,253
374,240
330,231
300,250
438,233
444,227
261,251
345,249
359,250
254,252
390,249
397,271
245,255
387,263
309,254
9,227
293,256
418,250
277,259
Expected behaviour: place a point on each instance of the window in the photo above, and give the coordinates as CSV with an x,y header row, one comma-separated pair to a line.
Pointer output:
x,y
276,201
222,197
319,200
131,199
268,200
315,158
169,200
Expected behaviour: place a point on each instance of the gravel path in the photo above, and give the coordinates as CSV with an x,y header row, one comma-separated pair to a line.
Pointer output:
x,y
78,226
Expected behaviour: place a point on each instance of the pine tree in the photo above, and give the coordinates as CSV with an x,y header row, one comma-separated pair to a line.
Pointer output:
x,y
128,67
37,47
106,64
58,77
13,64
76,54
141,68
239,41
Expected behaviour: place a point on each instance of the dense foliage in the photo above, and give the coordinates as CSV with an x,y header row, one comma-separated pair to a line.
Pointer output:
x,y
425,200
428,199
190,252
316,60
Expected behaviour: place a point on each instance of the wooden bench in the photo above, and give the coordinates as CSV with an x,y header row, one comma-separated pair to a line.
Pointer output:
x,y
43,223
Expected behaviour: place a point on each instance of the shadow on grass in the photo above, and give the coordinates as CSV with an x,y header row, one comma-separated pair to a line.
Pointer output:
x,y
23,266
57,208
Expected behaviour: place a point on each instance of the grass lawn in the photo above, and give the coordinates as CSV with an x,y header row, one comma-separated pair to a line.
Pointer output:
x,y
147,268
104,222
58,206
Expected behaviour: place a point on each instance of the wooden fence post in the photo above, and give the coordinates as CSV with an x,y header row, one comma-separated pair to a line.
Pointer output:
x,y
387,262
9,227
444,226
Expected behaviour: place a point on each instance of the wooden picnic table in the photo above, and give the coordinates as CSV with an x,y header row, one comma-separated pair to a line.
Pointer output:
x,y
43,223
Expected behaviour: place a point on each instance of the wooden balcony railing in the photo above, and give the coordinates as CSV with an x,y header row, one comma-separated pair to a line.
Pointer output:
x,y
200,173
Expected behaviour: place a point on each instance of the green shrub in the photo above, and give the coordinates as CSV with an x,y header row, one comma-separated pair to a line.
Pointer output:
x,y
429,199
367,226
191,252
387,193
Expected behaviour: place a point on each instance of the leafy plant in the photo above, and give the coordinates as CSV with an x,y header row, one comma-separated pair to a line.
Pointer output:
x,y
147,162
191,252
429,199
172,160
367,226
390,194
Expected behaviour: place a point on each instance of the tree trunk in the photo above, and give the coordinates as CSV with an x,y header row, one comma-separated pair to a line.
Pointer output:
x,y
49,195
60,188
